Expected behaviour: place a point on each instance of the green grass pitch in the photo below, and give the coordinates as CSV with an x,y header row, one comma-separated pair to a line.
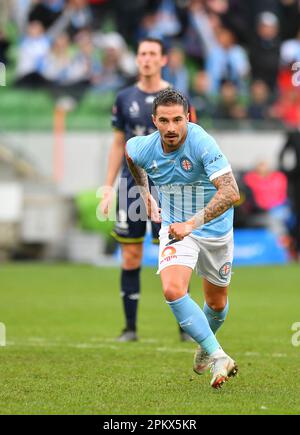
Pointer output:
x,y
62,358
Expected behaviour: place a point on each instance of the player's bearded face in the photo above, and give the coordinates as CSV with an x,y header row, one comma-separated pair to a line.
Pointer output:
x,y
171,121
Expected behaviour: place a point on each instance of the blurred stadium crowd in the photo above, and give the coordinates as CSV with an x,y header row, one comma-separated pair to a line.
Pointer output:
x,y
233,58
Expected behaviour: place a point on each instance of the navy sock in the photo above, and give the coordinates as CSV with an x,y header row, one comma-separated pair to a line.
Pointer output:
x,y
130,292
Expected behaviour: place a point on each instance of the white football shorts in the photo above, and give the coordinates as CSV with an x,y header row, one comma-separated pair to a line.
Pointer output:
x,y
210,257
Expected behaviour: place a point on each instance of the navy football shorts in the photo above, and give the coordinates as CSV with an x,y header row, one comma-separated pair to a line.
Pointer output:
x,y
131,222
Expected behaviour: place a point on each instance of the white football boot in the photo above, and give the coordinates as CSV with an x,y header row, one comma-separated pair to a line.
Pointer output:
x,y
222,368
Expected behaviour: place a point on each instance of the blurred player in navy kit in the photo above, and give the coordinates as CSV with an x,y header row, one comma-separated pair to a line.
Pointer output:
x,y
132,117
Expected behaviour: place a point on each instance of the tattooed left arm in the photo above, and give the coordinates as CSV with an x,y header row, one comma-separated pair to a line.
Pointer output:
x,y
226,196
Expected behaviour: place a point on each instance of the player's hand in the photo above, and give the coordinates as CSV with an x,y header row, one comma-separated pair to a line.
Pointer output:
x,y
153,211
180,230
106,203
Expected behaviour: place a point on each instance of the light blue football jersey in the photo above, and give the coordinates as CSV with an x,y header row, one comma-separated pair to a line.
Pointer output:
x,y
184,177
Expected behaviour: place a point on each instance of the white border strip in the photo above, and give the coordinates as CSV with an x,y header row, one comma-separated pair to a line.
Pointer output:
x,y
221,172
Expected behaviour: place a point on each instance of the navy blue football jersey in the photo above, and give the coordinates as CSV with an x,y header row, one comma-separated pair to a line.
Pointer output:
x,y
132,113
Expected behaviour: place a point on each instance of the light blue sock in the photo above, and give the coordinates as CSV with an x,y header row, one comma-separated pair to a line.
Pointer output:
x,y
215,318
194,322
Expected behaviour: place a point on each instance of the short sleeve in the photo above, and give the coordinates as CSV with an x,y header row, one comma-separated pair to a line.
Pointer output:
x,y
118,120
214,161
132,150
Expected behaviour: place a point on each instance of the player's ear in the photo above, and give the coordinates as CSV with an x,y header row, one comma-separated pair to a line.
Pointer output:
x,y
164,60
154,120
188,117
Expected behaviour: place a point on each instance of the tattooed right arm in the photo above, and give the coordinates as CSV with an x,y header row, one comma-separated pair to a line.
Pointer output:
x,y
140,177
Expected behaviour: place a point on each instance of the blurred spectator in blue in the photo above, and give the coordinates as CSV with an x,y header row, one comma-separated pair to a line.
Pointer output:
x,y
290,50
229,106
88,54
175,72
81,16
259,105
62,66
130,17
55,64
167,23
73,15
199,37
69,71
227,61
146,25
118,63
265,49
200,97
46,11
162,23
33,48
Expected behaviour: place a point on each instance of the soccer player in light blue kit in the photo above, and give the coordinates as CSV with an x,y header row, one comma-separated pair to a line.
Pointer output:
x,y
197,191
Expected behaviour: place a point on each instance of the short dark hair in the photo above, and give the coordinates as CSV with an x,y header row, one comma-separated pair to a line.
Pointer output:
x,y
170,97
156,41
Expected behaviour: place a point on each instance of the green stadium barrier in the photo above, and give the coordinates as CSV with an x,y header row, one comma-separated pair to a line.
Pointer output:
x,y
25,110
87,203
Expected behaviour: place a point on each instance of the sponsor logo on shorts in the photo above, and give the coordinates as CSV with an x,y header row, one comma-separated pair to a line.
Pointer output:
x,y
225,270
168,254
186,164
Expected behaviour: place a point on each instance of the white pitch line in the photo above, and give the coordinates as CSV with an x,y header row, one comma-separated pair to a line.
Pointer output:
x,y
252,354
33,342
279,355
112,344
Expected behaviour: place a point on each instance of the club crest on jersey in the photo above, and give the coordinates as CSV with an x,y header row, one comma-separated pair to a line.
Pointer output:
x,y
134,109
225,270
186,164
